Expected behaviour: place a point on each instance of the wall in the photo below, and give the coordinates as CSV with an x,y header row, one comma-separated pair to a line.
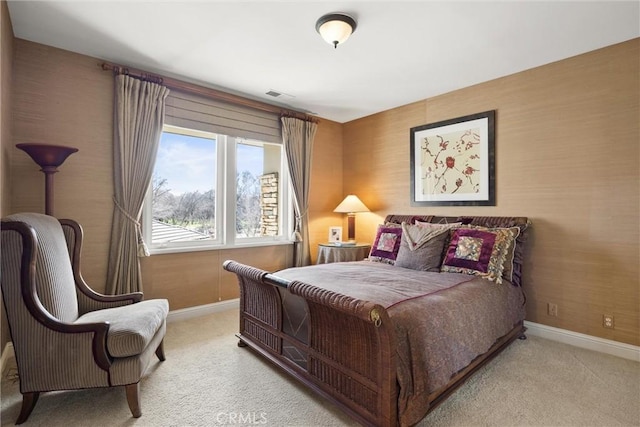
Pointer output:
x,y
567,150
567,157
65,98
325,188
6,142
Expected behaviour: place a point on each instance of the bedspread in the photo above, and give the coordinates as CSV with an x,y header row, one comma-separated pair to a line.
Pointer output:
x,y
442,320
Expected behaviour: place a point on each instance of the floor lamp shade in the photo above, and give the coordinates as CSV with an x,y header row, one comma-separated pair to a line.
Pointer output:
x,y
351,205
48,157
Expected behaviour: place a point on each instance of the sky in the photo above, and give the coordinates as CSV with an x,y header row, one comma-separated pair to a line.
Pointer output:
x,y
188,162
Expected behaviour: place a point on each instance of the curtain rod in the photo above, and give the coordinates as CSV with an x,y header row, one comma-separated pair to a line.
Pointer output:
x,y
205,91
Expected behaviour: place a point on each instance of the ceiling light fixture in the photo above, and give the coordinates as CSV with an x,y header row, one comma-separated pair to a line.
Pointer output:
x,y
335,28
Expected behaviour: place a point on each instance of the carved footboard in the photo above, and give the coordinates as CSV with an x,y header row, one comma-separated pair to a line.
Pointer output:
x,y
347,355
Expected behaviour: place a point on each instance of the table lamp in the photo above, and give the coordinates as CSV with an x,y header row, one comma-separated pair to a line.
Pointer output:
x,y
350,205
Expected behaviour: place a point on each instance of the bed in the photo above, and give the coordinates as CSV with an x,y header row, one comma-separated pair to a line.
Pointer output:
x,y
386,339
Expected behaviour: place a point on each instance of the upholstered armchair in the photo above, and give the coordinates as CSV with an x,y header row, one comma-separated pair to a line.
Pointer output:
x,y
65,335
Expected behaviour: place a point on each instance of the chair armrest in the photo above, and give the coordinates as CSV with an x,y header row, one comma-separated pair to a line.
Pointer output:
x,y
108,300
88,299
99,330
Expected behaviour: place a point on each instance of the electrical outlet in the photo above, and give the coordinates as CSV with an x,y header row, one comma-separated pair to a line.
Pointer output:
x,y
607,321
552,309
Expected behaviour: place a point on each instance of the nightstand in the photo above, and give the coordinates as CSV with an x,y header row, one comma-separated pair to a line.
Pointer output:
x,y
329,252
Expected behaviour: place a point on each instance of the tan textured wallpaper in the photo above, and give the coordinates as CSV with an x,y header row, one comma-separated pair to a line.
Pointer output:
x,y
567,150
326,184
6,65
63,98
6,142
567,157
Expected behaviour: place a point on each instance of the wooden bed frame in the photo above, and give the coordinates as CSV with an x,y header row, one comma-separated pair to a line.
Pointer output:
x,y
348,355
354,368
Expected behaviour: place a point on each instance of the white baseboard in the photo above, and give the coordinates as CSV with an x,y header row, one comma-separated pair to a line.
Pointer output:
x,y
201,310
614,348
7,354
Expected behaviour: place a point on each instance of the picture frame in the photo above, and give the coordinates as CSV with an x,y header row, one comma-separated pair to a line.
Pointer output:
x,y
453,162
335,234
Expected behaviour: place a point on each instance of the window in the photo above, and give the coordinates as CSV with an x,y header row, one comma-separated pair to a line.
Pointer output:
x,y
210,190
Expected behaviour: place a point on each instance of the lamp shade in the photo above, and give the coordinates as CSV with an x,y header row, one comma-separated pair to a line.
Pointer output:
x,y
351,204
45,155
335,28
48,157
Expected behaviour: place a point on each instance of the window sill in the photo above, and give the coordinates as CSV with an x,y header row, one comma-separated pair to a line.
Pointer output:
x,y
173,250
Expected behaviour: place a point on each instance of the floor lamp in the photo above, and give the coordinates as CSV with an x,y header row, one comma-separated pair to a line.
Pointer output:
x,y
48,157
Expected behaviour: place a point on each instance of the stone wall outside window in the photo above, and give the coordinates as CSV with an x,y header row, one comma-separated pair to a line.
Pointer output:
x,y
269,204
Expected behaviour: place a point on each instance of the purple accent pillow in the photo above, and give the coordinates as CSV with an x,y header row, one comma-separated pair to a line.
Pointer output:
x,y
386,245
479,252
470,249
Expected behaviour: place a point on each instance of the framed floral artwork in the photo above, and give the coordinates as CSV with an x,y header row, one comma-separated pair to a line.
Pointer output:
x,y
452,162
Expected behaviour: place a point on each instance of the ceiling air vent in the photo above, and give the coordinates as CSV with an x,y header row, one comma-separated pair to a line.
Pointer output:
x,y
278,94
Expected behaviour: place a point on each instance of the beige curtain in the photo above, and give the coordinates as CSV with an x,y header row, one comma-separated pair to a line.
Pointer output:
x,y
297,137
138,119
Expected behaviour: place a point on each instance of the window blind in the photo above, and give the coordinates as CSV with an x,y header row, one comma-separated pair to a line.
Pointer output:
x,y
193,111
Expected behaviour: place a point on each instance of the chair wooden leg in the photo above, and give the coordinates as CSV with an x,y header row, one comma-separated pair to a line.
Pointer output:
x,y
160,351
29,401
133,399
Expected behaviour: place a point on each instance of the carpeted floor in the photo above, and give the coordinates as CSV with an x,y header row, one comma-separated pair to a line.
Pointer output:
x,y
207,380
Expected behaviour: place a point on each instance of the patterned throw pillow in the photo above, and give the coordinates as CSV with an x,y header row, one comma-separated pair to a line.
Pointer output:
x,y
478,251
421,247
386,244
511,251
507,273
